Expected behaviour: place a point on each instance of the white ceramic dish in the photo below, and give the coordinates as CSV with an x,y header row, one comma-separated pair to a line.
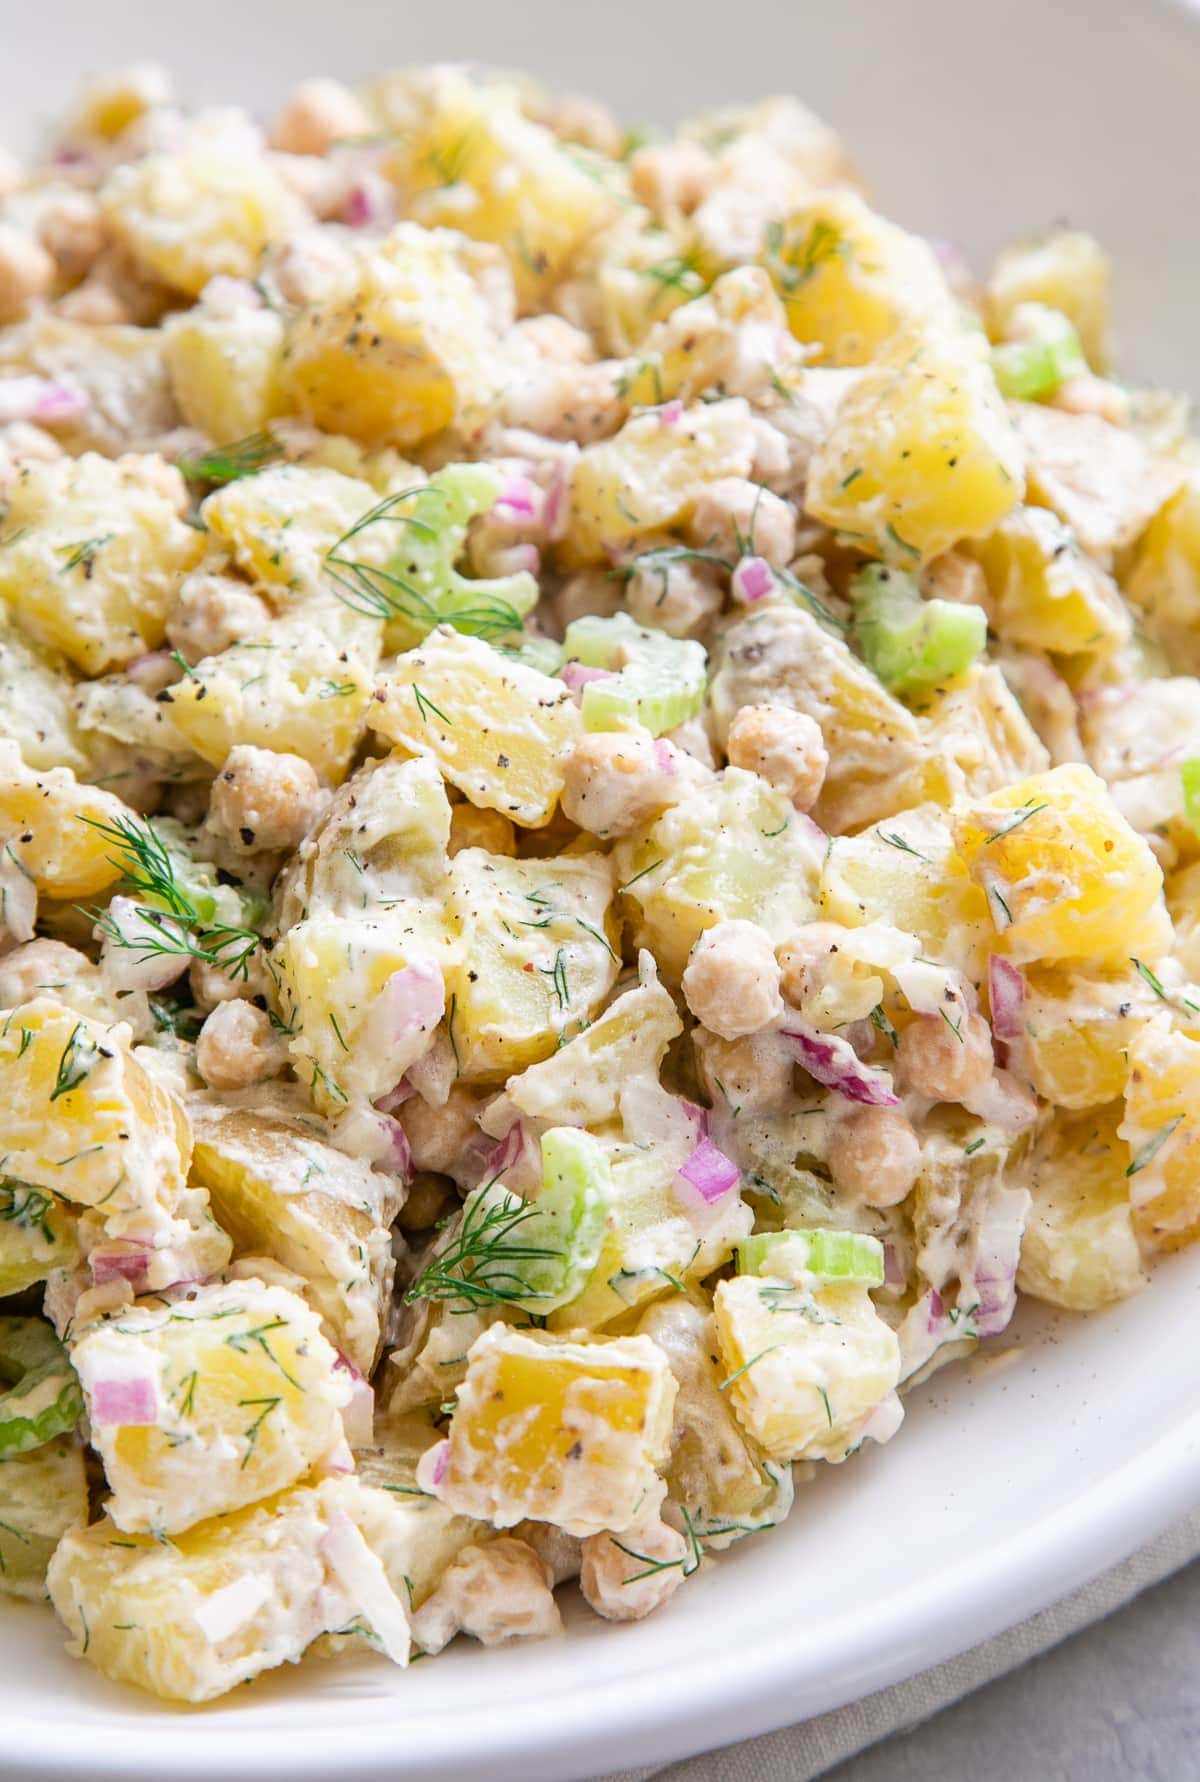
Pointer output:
x,y
1011,1484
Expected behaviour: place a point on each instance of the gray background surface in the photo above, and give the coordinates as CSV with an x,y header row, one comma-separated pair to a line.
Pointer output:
x,y
1118,1703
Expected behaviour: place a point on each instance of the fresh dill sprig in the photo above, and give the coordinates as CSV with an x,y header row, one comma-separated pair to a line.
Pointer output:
x,y
803,594
1022,815
895,840
84,553
79,1058
226,463
689,1561
1151,1149
481,1266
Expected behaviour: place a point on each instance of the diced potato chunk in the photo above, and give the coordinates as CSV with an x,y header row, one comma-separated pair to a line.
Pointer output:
x,y
43,1493
362,996
93,555
1183,901
728,1486
538,956
1162,1130
414,1535
206,210
804,1370
733,850
560,1432
84,1120
1065,875
49,821
1165,578
37,1234
850,280
1079,1024
1137,734
1100,480
580,1084
383,837
1080,1249
294,691
1046,594
470,160
281,523
1066,270
905,870
921,453
497,729
226,369
689,352
780,655
37,703
977,738
403,347
279,1191
649,475
214,1402
192,1617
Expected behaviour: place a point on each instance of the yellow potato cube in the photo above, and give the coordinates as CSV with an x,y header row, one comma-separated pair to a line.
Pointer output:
x,y
650,475
568,1433
1079,1025
904,870
49,821
382,837
580,1085
361,996
497,729
226,369
977,737
1183,902
538,956
470,160
1164,580
1080,1249
921,453
280,524
400,351
1046,594
1066,270
37,1234
84,1120
207,209
804,1370
93,555
1162,1130
734,849
1064,874
280,1191
689,352
1100,480
190,1618
37,711
729,1486
43,1493
850,280
202,1406
780,655
303,689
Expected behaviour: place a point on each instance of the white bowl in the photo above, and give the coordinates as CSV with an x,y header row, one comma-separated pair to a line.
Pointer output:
x,y
1010,1485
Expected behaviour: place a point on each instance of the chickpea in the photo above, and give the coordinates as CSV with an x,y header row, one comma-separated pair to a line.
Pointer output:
x,y
263,801
430,1197
667,176
26,269
318,114
71,228
212,612
874,1155
736,518
499,1591
681,598
731,981
615,781
238,1046
612,1579
946,1060
801,958
750,1076
785,747
437,1135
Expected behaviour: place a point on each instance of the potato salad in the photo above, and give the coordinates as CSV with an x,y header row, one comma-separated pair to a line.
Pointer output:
x,y
599,850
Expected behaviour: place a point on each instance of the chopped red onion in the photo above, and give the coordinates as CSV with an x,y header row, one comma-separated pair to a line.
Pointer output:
x,y
416,998
519,496
124,1402
667,756
576,675
397,1159
1006,993
829,1060
19,398
671,413
125,1260
753,579
226,293
59,402
395,1098
710,1172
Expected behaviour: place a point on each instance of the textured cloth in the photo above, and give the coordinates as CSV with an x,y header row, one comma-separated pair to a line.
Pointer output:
x,y
799,1753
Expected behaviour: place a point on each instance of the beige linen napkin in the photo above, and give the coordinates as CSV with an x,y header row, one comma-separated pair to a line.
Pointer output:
x,y
799,1753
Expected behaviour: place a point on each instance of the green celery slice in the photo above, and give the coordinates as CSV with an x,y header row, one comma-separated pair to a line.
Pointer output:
x,y
654,680
822,1255
910,644
43,1397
